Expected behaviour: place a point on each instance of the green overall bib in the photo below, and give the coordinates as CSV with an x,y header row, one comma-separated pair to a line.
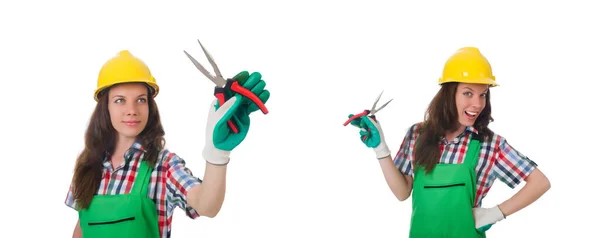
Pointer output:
x,y
125,215
442,201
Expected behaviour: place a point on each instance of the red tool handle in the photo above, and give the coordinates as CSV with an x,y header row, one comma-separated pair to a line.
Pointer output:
x,y
365,112
236,87
220,94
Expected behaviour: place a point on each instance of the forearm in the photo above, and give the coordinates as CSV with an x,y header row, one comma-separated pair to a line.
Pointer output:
x,y
77,230
536,185
207,198
395,180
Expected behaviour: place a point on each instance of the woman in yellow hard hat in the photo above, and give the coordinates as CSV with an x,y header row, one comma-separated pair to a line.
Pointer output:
x,y
126,183
451,159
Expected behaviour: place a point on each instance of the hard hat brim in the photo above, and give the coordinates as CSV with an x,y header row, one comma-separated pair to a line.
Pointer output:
x,y
149,83
488,81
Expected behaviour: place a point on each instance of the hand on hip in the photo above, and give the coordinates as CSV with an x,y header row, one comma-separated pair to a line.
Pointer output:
x,y
486,217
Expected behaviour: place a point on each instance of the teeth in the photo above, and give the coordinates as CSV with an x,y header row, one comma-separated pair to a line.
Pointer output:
x,y
471,113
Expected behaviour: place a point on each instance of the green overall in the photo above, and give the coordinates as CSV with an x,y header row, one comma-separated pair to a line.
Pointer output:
x,y
442,201
125,215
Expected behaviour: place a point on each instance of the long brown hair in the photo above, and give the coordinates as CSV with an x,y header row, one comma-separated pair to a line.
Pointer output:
x,y
100,140
441,116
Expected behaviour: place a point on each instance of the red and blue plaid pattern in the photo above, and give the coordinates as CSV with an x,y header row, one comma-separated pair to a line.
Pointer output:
x,y
168,185
497,159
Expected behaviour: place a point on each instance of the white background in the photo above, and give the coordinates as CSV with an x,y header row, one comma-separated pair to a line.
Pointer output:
x,y
300,173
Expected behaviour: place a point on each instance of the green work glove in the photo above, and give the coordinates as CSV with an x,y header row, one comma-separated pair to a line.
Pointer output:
x,y
238,110
220,140
256,85
223,137
375,139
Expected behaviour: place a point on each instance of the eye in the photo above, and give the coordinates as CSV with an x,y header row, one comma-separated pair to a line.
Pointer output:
x,y
119,100
484,95
142,100
468,94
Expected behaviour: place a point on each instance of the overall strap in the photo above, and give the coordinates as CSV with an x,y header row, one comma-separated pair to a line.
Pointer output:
x,y
473,152
140,186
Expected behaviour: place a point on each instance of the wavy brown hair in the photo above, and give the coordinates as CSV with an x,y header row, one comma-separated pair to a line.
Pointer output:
x,y
100,140
441,117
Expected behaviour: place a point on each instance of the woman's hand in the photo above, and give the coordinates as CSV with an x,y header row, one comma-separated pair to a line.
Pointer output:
x,y
486,217
371,135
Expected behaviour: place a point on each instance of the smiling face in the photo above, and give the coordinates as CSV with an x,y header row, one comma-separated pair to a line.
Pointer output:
x,y
470,102
128,109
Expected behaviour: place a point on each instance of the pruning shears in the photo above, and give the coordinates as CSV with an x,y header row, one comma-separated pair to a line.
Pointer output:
x,y
369,113
222,86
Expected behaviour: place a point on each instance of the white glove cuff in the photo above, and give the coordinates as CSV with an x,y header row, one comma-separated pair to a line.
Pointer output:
x,y
498,215
216,156
382,150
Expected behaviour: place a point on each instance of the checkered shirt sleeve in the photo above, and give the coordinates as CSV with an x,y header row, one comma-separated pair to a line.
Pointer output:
x,y
180,180
69,201
511,166
404,156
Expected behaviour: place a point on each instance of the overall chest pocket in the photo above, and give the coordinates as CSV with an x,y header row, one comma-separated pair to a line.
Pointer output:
x,y
114,228
445,196
109,222
445,186
112,216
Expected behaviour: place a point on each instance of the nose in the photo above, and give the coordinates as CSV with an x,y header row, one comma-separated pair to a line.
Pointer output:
x,y
478,102
132,109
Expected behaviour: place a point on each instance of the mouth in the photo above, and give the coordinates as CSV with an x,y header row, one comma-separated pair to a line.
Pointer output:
x,y
471,115
131,123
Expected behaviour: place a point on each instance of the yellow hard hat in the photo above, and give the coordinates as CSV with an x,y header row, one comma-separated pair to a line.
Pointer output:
x,y
468,65
124,68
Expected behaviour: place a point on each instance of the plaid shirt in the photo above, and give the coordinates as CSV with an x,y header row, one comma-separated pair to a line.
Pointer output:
x,y
168,185
497,159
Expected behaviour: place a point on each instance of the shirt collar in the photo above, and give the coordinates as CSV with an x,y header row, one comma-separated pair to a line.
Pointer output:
x,y
472,129
135,148
461,135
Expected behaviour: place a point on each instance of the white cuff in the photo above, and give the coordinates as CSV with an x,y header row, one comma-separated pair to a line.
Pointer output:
x,y
216,156
498,215
382,151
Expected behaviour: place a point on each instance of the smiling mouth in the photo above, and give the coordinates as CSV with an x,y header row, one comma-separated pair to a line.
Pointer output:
x,y
131,123
471,115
